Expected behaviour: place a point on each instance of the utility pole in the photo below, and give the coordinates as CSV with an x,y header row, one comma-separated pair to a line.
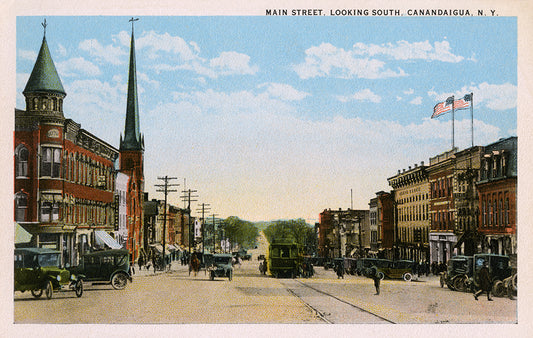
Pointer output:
x,y
187,197
164,188
214,232
205,207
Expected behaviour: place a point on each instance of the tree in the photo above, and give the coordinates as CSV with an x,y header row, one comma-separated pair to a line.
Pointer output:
x,y
296,229
243,233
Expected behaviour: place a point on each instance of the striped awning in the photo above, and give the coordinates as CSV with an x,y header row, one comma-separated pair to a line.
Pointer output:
x,y
106,238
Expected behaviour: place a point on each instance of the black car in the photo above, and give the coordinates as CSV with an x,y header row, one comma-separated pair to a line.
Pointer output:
x,y
109,266
220,265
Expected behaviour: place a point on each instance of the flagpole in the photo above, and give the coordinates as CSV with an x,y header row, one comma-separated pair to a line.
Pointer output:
x,y
453,123
472,116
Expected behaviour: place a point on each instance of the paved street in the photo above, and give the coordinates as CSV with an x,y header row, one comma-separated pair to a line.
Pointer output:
x,y
176,297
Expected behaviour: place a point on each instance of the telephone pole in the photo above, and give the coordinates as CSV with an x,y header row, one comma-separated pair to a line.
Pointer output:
x,y
214,233
188,197
165,189
204,209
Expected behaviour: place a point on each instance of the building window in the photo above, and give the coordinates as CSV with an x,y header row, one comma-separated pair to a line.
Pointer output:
x,y
51,162
21,205
21,161
49,211
507,211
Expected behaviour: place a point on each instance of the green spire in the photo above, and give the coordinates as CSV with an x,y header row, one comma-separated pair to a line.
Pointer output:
x,y
132,136
44,77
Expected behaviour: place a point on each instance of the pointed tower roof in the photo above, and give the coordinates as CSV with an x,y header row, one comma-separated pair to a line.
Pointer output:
x,y
132,136
44,77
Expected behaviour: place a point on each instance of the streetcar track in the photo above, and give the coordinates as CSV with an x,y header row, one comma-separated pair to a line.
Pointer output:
x,y
321,315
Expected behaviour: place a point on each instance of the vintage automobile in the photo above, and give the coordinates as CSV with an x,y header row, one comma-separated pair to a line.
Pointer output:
x,y
380,265
242,254
363,264
39,269
107,266
399,269
499,270
220,265
458,273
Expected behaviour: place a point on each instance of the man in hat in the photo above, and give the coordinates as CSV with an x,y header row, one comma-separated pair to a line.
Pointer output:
x,y
485,283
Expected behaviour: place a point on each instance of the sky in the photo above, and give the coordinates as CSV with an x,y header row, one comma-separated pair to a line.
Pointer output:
x,y
270,118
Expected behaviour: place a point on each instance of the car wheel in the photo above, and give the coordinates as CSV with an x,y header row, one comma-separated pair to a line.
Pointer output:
x,y
119,281
514,282
49,291
498,289
37,293
407,277
381,275
79,288
460,283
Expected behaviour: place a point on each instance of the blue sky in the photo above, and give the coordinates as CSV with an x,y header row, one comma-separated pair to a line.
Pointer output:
x,y
270,117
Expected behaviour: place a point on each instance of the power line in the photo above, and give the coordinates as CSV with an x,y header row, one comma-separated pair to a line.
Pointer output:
x,y
165,189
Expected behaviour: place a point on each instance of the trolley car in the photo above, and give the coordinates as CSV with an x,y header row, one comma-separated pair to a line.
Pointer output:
x,y
285,258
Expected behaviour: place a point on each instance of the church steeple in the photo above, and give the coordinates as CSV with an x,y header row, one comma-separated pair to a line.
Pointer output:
x,y
133,140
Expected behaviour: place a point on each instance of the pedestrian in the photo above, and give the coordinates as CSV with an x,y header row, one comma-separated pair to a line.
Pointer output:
x,y
377,279
484,281
140,261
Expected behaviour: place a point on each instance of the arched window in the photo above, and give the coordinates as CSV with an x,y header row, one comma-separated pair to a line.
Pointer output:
x,y
21,161
21,205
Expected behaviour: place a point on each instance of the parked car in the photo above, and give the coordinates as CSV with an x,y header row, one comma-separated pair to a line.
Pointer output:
x,y
108,266
499,270
363,264
243,254
459,271
220,265
39,270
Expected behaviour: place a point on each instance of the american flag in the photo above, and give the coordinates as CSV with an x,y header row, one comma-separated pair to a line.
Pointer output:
x,y
442,107
463,103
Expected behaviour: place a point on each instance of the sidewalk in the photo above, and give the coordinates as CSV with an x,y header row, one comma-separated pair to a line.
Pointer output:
x,y
174,266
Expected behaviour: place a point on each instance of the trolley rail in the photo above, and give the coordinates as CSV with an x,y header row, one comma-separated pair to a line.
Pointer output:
x,y
321,307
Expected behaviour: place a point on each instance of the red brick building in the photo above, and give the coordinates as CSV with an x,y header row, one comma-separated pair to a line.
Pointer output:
x,y
386,223
497,197
442,237
64,175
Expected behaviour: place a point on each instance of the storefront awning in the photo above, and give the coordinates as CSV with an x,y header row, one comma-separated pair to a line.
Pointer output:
x,y
21,235
105,238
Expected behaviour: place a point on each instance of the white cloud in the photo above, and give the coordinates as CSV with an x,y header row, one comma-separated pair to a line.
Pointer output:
x,y
229,63
166,43
62,50
109,53
284,91
410,91
94,104
145,78
363,95
492,96
74,66
327,60
404,50
416,101
28,55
